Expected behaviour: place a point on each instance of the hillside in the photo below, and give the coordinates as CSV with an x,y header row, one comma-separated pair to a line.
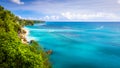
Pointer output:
x,y
13,53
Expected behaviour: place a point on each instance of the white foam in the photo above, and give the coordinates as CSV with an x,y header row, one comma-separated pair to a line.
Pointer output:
x,y
40,24
101,27
29,38
57,30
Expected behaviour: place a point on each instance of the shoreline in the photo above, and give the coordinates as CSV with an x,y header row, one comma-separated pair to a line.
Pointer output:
x,y
23,33
28,38
26,33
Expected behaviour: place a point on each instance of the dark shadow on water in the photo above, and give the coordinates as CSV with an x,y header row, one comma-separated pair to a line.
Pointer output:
x,y
76,65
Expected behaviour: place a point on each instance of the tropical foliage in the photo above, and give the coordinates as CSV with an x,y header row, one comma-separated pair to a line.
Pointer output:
x,y
13,53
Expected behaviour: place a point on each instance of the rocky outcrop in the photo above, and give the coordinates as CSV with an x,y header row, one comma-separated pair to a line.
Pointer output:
x,y
22,33
49,52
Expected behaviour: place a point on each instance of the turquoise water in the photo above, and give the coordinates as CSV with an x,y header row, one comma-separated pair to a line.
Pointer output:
x,y
79,44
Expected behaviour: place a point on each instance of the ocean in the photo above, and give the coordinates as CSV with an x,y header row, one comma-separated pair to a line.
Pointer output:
x,y
79,44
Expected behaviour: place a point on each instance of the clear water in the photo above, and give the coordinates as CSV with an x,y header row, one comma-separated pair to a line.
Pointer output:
x,y
79,44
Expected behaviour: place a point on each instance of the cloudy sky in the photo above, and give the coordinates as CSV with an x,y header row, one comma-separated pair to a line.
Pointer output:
x,y
65,10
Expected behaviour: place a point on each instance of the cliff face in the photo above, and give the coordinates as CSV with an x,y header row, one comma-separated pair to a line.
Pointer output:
x,y
22,35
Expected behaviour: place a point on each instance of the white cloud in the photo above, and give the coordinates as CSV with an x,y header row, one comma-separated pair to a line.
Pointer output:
x,y
98,16
68,15
17,2
50,18
88,16
118,1
46,18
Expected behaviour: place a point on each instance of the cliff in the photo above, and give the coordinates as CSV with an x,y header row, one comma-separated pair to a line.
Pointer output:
x,y
15,53
22,35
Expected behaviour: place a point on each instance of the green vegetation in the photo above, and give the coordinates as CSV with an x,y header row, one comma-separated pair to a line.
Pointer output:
x,y
24,22
13,53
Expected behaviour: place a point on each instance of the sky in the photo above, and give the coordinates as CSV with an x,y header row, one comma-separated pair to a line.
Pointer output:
x,y
65,10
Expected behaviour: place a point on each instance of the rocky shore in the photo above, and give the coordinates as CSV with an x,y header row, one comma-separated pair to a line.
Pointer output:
x,y
22,35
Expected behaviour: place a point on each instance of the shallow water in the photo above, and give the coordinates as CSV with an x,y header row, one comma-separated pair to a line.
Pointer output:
x,y
79,44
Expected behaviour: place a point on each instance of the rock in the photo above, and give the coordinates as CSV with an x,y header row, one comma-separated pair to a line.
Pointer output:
x,y
22,34
49,52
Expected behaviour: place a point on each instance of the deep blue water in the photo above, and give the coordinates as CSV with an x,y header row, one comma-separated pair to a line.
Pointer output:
x,y
79,44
